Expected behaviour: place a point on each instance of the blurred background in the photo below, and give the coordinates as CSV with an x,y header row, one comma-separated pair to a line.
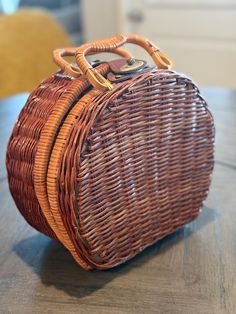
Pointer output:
x,y
198,35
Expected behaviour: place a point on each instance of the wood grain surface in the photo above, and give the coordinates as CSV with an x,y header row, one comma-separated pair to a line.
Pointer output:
x,y
191,271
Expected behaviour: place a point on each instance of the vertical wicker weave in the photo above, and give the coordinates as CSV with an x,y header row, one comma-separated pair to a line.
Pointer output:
x,y
108,168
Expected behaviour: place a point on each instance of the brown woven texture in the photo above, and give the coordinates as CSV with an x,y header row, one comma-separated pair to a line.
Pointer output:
x,y
23,144
108,173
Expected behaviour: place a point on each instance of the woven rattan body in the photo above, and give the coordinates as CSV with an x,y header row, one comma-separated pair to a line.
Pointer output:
x,y
108,173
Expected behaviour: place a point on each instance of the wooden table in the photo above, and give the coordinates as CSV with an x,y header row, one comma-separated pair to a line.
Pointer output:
x,y
192,271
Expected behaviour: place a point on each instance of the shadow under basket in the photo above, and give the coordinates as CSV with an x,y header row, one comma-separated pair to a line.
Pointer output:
x,y
110,157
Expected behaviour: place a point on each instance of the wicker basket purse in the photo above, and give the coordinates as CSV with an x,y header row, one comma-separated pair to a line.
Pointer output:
x,y
109,157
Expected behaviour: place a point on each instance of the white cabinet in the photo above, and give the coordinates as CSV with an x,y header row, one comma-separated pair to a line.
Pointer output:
x,y
199,35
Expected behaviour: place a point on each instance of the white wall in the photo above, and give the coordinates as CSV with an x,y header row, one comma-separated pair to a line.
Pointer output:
x,y
199,35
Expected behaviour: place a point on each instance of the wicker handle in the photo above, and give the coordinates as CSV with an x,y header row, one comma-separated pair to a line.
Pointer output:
x,y
109,45
58,55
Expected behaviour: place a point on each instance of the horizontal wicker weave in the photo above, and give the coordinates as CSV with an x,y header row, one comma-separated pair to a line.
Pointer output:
x,y
110,169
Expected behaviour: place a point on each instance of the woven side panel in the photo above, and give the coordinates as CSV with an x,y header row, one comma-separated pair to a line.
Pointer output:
x,y
25,140
146,165
22,148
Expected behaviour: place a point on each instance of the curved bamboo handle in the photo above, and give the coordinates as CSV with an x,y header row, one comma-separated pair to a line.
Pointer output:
x,y
109,45
58,55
